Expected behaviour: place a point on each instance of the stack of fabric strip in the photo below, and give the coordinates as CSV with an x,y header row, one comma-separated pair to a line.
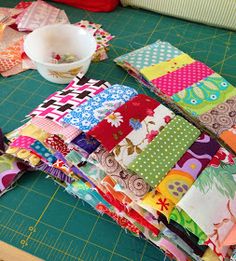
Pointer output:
x,y
132,158
189,85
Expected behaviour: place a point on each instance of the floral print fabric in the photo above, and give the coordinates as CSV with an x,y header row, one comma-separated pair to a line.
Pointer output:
x,y
122,121
90,113
217,183
137,140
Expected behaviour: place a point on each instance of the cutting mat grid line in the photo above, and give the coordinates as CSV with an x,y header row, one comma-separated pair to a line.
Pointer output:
x,y
42,218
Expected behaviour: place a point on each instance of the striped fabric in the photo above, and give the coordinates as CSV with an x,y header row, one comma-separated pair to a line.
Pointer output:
x,y
220,13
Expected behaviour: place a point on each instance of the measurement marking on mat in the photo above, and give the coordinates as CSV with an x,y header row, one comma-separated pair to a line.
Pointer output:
x,y
32,229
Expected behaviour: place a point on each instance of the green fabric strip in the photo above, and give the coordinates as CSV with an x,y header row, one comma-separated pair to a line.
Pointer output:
x,y
180,217
165,150
205,95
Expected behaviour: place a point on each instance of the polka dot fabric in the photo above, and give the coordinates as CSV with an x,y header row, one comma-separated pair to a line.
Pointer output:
x,y
23,142
165,150
149,55
40,149
180,79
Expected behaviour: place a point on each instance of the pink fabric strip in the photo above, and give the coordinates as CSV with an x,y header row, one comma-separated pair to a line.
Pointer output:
x,y
182,78
23,142
69,132
168,247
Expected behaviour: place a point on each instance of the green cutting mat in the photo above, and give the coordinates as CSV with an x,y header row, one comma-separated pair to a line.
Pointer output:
x,y
38,215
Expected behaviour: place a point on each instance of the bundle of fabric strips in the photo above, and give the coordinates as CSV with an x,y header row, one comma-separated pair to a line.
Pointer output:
x,y
25,17
133,159
188,85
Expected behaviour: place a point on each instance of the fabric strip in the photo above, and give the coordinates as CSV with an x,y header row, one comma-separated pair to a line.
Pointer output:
x,y
182,78
138,139
90,113
127,180
181,177
86,143
68,132
122,121
160,69
165,150
204,95
220,118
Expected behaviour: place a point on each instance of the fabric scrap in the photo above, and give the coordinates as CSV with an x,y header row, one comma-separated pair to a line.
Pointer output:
x,y
40,149
204,95
55,172
91,112
23,142
122,221
86,143
68,132
60,103
181,177
171,250
189,238
217,183
2,145
157,201
138,139
10,168
11,56
38,14
229,137
24,154
182,78
220,118
171,65
121,122
83,83
185,221
83,191
57,143
149,55
127,180
165,150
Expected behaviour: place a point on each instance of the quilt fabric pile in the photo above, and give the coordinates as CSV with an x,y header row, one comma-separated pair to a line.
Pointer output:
x,y
133,159
188,85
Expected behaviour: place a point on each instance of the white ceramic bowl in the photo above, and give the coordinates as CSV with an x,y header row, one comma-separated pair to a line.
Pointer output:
x,y
61,39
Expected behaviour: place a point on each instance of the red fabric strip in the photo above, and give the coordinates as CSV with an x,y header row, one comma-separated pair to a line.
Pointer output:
x,y
116,126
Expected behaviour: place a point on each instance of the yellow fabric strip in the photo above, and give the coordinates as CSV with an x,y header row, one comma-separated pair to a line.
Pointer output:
x,y
160,69
157,201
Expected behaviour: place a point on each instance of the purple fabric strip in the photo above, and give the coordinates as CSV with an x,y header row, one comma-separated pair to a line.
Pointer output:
x,y
55,172
78,172
197,157
88,144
